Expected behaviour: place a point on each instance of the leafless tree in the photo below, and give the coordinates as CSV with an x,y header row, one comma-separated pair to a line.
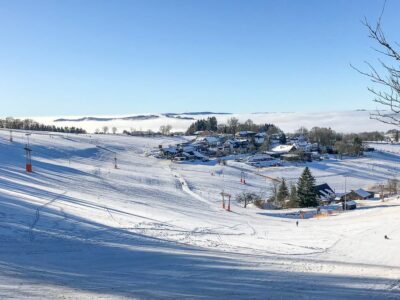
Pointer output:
x,y
393,186
387,77
233,124
114,130
247,198
165,129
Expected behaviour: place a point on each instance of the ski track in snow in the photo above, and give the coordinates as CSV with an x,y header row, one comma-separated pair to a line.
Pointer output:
x,y
163,220
37,215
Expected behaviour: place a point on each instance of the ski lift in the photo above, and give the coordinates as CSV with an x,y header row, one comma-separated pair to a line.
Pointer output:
x,y
28,159
28,155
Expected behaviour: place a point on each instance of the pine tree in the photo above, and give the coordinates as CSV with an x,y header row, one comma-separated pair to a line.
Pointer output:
x,y
306,194
283,193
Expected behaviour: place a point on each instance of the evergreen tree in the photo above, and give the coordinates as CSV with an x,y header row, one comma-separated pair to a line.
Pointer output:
x,y
306,194
282,138
212,124
283,193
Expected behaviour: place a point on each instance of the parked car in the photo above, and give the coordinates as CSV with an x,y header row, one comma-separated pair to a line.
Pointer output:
x,y
349,205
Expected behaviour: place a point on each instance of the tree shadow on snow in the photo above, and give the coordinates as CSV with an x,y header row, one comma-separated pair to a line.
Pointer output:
x,y
64,250
44,245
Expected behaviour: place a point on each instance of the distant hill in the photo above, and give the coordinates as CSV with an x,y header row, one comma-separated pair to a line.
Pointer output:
x,y
341,121
133,118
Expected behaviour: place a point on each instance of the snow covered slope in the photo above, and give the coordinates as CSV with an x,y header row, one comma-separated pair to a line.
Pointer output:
x,y
77,228
341,121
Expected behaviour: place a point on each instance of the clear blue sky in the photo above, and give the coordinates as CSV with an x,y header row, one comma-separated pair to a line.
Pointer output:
x,y
120,57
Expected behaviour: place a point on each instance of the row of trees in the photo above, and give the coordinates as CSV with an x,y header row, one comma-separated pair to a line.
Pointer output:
x,y
232,126
350,144
342,144
106,130
326,137
209,124
164,130
303,194
28,124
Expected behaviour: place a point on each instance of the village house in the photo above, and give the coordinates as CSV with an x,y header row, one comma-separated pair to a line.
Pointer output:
x,y
237,145
261,160
390,137
211,141
279,150
246,134
168,152
259,138
325,193
359,194
303,144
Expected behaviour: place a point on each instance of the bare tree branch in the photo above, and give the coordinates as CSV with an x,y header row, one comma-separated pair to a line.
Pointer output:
x,y
388,79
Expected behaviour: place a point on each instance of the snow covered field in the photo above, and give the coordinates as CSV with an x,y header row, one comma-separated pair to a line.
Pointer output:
x,y
77,228
340,121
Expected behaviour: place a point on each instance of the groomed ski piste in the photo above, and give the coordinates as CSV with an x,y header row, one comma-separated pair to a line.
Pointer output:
x,y
77,228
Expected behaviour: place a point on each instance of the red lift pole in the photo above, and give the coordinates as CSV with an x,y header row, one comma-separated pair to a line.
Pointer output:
x,y
28,157
242,177
223,194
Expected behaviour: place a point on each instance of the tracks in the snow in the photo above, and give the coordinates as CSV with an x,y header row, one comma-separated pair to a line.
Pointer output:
x,y
37,215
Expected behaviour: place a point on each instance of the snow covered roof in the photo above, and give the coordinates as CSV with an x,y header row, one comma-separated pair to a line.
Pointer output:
x,y
188,148
246,132
198,155
324,191
212,139
283,148
259,157
362,193
170,150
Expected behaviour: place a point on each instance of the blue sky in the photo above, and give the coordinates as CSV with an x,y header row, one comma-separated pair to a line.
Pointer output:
x,y
92,57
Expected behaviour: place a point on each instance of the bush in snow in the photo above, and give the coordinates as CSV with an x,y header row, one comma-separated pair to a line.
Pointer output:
x,y
249,197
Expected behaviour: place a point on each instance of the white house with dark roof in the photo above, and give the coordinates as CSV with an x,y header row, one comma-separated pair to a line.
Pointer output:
x,y
283,149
